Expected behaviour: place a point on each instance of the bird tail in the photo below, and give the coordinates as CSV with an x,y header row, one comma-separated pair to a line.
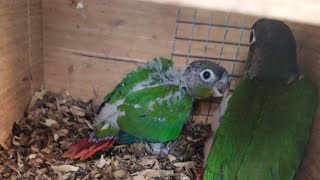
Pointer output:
x,y
87,147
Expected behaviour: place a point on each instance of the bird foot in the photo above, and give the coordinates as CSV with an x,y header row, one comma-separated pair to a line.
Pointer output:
x,y
159,149
301,76
295,77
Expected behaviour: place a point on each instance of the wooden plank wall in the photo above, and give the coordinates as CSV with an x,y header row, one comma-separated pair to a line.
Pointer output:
x,y
292,10
21,70
107,39
125,32
36,44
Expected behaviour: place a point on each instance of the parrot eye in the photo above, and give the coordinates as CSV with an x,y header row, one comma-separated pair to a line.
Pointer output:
x,y
252,36
207,75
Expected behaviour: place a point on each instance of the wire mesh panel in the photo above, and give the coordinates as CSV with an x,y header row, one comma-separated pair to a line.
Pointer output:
x,y
215,36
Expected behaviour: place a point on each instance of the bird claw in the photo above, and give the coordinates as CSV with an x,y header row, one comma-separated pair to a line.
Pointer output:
x,y
295,77
159,149
301,76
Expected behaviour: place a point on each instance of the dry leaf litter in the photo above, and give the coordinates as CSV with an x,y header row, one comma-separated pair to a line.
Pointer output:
x,y
55,121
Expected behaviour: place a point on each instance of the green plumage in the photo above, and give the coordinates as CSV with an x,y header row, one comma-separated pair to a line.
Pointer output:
x,y
266,127
264,131
153,102
137,76
146,117
144,122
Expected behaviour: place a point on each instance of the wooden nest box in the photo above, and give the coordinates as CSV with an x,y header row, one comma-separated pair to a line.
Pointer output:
x,y
86,47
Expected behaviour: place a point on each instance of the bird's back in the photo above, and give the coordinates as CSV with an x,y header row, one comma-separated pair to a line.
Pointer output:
x,y
264,131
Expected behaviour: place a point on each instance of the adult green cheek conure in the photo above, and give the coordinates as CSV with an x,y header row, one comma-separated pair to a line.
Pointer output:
x,y
268,119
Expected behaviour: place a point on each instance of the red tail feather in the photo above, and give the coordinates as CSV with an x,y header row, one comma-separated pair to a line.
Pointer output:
x,y
200,174
85,148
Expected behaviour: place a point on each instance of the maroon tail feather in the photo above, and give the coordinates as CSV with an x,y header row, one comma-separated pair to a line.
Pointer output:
x,y
200,174
86,147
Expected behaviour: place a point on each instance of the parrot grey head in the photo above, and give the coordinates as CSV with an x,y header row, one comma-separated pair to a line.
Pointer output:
x,y
206,79
272,53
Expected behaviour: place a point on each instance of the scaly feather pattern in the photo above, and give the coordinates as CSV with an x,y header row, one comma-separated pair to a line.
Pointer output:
x,y
150,104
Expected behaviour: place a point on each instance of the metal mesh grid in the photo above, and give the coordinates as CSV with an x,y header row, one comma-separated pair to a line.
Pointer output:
x,y
220,37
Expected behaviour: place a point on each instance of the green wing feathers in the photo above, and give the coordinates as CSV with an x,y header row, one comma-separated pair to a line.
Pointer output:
x,y
140,74
234,132
145,107
264,131
146,116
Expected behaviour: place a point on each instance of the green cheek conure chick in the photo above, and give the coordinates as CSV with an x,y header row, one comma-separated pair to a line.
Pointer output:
x,y
265,129
151,104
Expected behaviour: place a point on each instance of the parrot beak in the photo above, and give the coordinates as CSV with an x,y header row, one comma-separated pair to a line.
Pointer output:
x,y
226,92
216,93
220,92
221,88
